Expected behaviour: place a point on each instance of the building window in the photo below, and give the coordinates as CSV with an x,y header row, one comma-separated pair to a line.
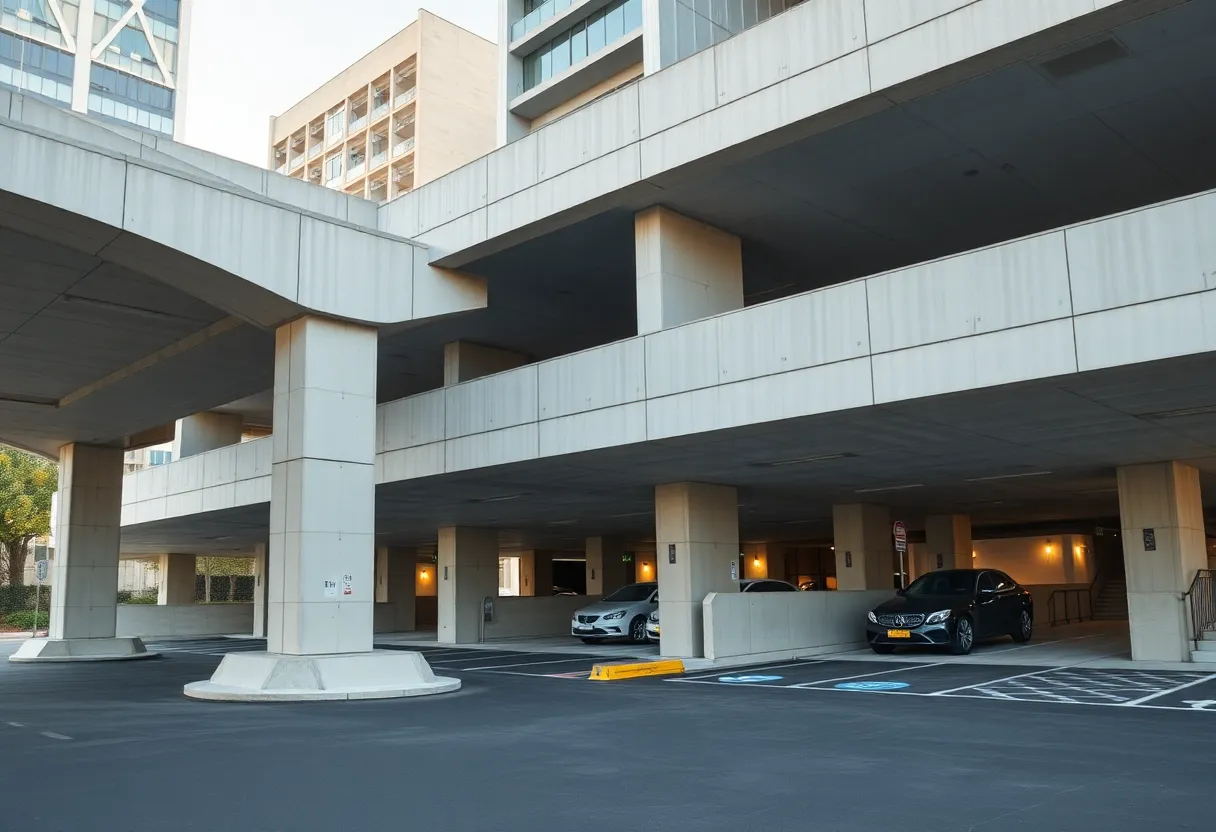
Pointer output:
x,y
686,26
30,67
333,167
116,95
582,40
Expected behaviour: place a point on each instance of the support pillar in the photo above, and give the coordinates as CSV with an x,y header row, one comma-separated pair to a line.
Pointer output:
x,y
865,553
468,573
396,587
948,541
177,579
84,603
700,524
322,532
204,432
606,568
686,270
1161,515
465,361
536,573
261,589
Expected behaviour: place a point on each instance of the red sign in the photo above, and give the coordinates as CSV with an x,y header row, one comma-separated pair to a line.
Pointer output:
x,y
901,536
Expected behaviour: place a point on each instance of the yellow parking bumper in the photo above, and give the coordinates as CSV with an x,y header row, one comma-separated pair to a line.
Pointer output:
x,y
635,670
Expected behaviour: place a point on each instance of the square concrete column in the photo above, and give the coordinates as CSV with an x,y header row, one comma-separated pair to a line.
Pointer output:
x,y
323,489
607,570
261,589
1161,515
948,541
396,586
204,432
686,270
697,532
465,361
84,603
177,579
468,573
536,573
865,551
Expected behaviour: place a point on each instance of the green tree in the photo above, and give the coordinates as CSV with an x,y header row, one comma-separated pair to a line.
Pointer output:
x,y
27,483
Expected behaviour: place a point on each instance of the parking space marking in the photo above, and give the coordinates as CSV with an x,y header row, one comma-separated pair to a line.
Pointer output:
x,y
52,735
865,675
485,656
1190,684
951,691
725,671
567,660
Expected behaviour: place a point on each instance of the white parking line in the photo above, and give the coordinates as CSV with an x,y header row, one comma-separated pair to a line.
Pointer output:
x,y
53,735
1041,670
748,670
482,658
528,664
1171,690
14,724
864,675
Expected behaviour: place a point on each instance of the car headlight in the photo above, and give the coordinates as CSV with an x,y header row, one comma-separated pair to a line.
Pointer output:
x,y
654,616
938,617
873,618
612,616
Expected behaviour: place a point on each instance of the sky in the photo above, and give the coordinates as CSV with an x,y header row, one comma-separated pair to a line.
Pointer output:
x,y
251,59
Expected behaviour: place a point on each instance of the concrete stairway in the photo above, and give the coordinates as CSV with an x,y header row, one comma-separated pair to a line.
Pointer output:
x,y
1206,653
1111,603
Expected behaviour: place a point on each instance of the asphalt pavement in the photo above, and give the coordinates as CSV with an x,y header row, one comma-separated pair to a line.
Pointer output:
x,y
115,746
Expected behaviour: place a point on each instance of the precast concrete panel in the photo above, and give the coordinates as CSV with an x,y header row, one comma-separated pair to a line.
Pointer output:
x,y
803,331
888,17
684,358
459,193
513,167
331,253
499,447
80,181
807,36
1006,286
604,428
1147,332
255,240
491,403
1012,355
611,375
1144,255
680,92
589,133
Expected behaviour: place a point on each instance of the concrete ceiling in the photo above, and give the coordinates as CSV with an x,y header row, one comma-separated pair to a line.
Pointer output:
x,y
1025,454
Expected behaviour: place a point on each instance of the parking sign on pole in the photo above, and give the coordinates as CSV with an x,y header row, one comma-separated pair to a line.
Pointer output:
x,y
901,546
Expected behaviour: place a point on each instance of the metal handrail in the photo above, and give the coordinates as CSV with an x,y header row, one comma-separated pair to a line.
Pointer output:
x,y
1066,594
1202,598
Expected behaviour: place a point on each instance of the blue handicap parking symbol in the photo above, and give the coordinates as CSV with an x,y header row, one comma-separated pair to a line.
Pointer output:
x,y
746,679
872,685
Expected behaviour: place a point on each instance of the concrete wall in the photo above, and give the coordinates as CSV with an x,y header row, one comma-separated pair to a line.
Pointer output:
x,y
606,86
529,616
779,625
185,619
1047,560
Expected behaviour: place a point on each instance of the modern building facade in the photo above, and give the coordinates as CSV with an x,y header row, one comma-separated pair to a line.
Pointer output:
x,y
415,107
862,262
123,61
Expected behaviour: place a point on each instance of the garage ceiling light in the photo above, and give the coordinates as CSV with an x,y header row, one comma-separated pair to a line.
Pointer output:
x,y
803,460
1009,476
889,488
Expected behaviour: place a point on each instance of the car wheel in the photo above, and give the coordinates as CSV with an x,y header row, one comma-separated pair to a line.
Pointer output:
x,y
1025,628
883,649
963,638
637,630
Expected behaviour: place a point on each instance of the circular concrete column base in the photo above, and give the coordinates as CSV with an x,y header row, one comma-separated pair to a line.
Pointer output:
x,y
80,650
276,677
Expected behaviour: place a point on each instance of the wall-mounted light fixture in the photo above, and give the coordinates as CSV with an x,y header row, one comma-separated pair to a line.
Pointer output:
x,y
756,560
424,574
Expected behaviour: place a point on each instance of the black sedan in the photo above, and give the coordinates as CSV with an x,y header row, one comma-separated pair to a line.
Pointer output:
x,y
952,608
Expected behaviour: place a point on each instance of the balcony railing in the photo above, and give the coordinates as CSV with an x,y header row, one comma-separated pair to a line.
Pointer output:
x,y
335,136
403,147
405,98
281,168
358,123
539,15
380,111
296,162
355,172
314,150
378,159
333,183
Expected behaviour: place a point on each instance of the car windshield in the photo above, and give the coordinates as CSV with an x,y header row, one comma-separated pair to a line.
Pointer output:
x,y
632,594
943,583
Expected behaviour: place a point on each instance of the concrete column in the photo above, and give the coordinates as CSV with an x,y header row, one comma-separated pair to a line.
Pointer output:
x,y
686,270
84,603
261,590
323,488
468,572
1161,502
177,579
465,361
948,536
652,52
510,75
204,432
396,579
606,568
699,525
536,573
865,553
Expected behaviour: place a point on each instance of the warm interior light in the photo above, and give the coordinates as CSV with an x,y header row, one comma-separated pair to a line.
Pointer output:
x,y
756,560
645,567
424,574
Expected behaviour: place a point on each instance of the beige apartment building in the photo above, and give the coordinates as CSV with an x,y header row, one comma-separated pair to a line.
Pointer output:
x,y
414,108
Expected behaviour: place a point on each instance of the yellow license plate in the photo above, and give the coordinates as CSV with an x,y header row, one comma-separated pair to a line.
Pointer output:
x,y
899,634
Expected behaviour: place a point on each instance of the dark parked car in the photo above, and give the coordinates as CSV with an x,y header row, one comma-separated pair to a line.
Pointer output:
x,y
952,608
